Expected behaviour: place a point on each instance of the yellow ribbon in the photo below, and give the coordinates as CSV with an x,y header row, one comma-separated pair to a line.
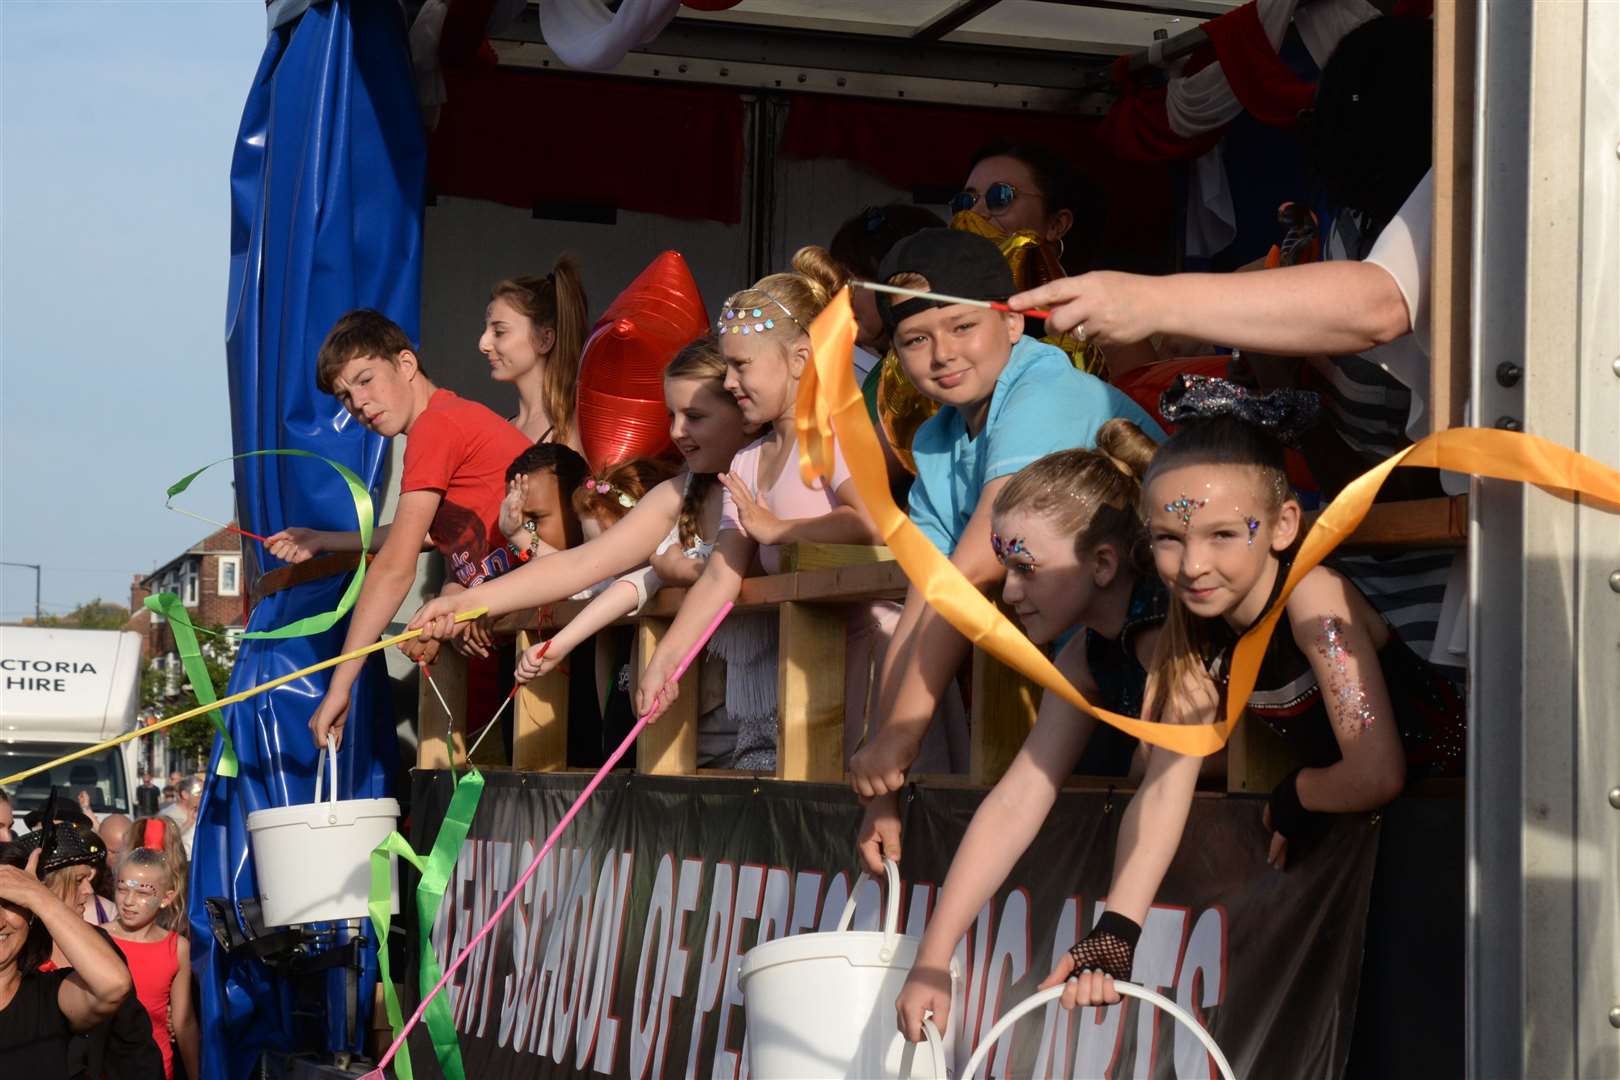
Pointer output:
x,y
232,699
829,400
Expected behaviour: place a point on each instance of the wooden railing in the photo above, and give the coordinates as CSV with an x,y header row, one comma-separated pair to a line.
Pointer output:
x,y
809,605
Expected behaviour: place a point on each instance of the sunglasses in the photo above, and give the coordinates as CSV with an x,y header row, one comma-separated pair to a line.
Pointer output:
x,y
997,197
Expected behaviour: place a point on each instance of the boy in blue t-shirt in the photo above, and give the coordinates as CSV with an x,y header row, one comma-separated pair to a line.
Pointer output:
x,y
1005,400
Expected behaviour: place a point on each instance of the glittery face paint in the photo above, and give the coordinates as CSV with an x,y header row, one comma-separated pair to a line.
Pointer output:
x,y
1252,523
1355,713
144,892
1007,549
1184,508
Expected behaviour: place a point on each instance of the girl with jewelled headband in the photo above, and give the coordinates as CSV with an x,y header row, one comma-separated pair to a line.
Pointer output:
x,y
766,503
1360,710
159,957
1079,576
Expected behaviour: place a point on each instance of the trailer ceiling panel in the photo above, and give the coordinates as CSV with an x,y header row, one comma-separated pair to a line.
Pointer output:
x,y
1078,26
1034,24
892,18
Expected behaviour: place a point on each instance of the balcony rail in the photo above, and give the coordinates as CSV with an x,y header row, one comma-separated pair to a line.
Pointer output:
x,y
808,600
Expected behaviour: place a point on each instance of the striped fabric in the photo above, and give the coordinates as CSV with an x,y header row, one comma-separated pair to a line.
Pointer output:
x,y
1407,588
1366,405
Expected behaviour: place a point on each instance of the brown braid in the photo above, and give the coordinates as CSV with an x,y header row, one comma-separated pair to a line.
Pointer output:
x,y
698,486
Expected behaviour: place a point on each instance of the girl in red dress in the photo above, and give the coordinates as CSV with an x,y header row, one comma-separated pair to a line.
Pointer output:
x,y
147,892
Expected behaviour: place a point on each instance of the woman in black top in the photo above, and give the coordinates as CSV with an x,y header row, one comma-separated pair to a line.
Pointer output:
x,y
39,1011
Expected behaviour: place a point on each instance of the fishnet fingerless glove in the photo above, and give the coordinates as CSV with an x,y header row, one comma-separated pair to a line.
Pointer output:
x,y
1110,947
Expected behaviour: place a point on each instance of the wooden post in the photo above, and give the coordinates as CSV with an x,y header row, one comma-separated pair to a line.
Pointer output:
x,y
540,731
1455,23
1256,759
810,692
669,747
441,739
1004,707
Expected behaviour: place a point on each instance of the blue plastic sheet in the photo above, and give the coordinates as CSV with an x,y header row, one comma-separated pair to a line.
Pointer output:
x,y
327,187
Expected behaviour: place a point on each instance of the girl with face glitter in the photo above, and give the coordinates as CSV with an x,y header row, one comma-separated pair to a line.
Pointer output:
x,y
1360,709
145,931
1067,530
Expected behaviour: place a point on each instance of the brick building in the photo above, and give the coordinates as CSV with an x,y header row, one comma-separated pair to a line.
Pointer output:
x,y
207,577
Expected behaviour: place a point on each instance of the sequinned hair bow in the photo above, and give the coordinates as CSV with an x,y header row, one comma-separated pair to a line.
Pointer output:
x,y
1285,415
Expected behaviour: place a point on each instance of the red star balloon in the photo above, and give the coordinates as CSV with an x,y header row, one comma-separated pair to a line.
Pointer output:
x,y
620,404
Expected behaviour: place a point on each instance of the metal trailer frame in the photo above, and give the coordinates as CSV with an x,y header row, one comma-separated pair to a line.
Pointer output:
x,y
1543,986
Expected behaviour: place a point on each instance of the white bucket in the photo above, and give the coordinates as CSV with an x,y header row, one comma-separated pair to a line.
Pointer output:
x,y
821,1006
313,861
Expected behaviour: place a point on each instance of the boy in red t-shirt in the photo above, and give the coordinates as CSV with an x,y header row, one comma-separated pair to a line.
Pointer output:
x,y
454,480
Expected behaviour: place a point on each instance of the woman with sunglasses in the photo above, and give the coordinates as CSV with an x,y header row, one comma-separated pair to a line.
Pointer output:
x,y
1018,186
40,1011
1026,186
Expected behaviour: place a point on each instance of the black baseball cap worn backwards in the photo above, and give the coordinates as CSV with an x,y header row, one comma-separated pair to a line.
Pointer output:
x,y
954,262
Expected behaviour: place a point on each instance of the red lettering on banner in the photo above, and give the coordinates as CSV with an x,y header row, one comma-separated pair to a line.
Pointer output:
x,y
728,1062
1057,1023
686,898
711,972
1008,962
1200,985
806,902
575,931
645,1006
497,873
1157,957
606,1031
1101,1030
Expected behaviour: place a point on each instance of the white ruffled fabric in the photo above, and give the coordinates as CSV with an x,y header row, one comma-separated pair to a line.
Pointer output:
x,y
1204,101
590,37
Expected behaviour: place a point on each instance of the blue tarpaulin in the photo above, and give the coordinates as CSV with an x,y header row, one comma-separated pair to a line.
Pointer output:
x,y
326,216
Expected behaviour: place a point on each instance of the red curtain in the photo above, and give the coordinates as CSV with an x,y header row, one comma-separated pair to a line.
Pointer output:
x,y
931,146
525,137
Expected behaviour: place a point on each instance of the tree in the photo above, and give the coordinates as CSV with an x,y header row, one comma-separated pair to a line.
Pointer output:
x,y
96,615
166,691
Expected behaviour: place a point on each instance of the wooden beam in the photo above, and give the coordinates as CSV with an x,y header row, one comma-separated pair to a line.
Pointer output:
x,y
540,730
1451,273
1256,759
1002,713
441,739
810,692
669,747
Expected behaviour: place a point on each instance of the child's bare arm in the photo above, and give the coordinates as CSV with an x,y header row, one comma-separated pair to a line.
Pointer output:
x,y
721,581
388,580
612,603
557,577
182,1016
997,838
923,655
1333,632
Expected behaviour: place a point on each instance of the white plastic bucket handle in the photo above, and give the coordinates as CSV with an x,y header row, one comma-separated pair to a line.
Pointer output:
x,y
891,913
1052,993
329,760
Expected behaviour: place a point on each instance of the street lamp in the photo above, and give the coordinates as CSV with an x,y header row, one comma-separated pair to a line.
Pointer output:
x,y
38,611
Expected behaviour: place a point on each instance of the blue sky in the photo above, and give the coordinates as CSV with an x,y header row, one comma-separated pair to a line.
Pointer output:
x,y
116,129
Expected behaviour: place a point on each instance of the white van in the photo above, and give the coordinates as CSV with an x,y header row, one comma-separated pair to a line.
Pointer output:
x,y
61,690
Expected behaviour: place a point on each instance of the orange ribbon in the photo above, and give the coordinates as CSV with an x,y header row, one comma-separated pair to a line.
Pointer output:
x,y
830,401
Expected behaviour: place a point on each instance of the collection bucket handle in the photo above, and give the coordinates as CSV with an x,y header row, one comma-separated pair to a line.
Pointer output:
x,y
891,911
1052,993
327,757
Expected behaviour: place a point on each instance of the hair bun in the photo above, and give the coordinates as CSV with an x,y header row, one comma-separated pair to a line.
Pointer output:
x,y
1284,415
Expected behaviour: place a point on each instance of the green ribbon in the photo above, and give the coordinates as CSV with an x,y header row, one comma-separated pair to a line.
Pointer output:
x,y
313,624
169,606
185,631
435,870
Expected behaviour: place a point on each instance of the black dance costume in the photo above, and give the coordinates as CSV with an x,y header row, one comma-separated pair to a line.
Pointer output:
x,y
1121,678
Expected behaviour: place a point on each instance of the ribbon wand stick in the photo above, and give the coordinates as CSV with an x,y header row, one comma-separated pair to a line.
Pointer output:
x,y
551,841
